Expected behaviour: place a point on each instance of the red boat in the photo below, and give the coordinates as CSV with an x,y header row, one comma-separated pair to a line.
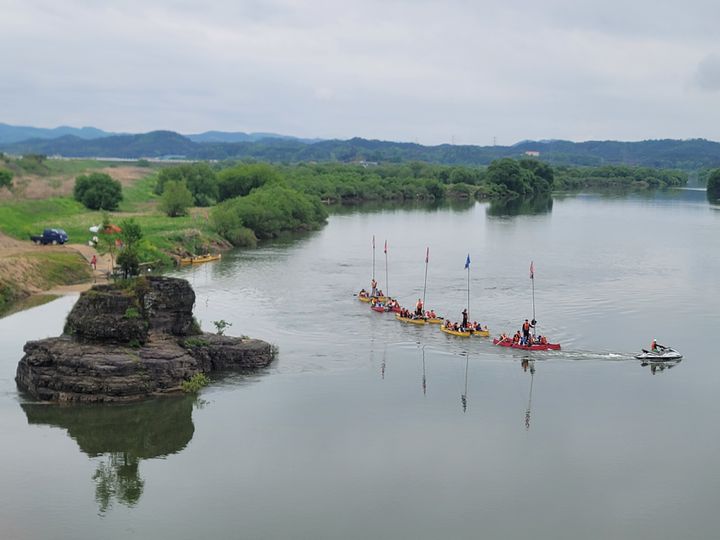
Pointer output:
x,y
535,347
379,309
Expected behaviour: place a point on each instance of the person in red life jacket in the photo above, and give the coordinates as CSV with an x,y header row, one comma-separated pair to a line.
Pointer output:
x,y
526,331
419,308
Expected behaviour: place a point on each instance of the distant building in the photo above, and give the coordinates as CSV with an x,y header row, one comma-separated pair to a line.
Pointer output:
x,y
532,153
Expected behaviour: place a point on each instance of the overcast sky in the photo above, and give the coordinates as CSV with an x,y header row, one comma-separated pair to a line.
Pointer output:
x,y
429,72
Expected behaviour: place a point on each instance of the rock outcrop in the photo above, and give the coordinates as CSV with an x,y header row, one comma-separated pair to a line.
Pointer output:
x,y
123,343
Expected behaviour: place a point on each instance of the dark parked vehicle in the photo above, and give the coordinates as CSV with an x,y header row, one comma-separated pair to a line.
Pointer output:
x,y
51,236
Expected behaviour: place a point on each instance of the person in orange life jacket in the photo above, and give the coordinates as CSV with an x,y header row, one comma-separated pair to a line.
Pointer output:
x,y
419,308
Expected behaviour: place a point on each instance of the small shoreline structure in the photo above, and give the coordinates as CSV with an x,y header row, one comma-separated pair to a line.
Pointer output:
x,y
131,340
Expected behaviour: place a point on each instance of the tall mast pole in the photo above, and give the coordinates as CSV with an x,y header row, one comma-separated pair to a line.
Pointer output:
x,y
373,246
387,282
427,259
532,280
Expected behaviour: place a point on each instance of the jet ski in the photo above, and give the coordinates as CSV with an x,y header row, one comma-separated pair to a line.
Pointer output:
x,y
659,354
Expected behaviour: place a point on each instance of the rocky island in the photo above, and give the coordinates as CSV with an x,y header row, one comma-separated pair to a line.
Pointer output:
x,y
128,341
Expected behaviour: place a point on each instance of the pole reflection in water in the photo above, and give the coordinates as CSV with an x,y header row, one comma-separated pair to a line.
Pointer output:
x,y
464,395
122,436
526,364
424,379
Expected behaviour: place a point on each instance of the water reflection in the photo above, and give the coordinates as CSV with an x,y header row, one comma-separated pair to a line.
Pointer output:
x,y
659,367
520,206
464,395
528,364
455,205
122,436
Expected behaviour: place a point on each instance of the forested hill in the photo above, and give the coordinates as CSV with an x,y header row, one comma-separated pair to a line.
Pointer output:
x,y
667,153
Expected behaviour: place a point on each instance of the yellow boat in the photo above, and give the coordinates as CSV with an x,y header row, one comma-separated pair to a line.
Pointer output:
x,y
407,320
481,333
201,259
367,299
435,320
455,332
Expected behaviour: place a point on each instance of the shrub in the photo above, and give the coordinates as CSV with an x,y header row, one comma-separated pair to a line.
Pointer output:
x,y
6,178
221,325
240,180
199,179
176,199
195,384
98,191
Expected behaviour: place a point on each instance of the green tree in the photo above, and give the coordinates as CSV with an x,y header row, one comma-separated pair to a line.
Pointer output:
x,y
6,178
98,191
240,180
713,185
176,199
199,178
507,172
129,258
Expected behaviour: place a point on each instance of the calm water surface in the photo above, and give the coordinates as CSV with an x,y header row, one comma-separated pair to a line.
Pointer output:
x,y
366,428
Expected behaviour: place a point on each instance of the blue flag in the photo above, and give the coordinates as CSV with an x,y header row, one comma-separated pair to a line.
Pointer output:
x,y
467,261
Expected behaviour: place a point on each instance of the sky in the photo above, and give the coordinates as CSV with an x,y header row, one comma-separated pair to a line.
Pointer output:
x,y
431,72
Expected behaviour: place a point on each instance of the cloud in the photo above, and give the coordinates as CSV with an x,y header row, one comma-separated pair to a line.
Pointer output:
x,y
391,69
707,75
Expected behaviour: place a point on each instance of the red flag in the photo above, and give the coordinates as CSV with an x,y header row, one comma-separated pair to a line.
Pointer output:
x,y
532,270
385,250
427,256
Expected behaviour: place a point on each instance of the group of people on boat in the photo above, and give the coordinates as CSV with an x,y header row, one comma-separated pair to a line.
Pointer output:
x,y
468,327
524,337
407,314
375,293
465,325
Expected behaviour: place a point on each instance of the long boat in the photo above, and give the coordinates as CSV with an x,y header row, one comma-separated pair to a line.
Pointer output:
x,y
420,320
533,347
484,332
458,333
200,259
507,341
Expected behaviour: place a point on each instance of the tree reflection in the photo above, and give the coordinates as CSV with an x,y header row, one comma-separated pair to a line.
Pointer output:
x,y
518,206
122,435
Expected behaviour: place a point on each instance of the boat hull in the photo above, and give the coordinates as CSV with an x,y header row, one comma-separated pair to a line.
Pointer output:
x,y
367,299
435,320
410,321
200,259
537,347
670,354
455,332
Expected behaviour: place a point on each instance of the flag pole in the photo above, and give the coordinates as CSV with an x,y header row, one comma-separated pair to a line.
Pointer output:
x,y
387,282
467,267
427,259
532,280
373,272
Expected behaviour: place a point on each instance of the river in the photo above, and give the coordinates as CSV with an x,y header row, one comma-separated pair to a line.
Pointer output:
x,y
368,428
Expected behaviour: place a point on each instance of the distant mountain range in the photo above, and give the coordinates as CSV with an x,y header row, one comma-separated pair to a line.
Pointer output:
x,y
12,134
90,142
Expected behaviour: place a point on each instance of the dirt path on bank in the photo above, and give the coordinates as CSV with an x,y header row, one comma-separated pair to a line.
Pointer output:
x,y
14,265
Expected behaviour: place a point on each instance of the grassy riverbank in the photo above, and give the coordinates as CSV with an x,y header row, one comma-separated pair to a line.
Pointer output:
x,y
24,274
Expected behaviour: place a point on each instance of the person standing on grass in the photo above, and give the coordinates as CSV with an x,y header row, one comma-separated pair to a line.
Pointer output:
x,y
93,262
